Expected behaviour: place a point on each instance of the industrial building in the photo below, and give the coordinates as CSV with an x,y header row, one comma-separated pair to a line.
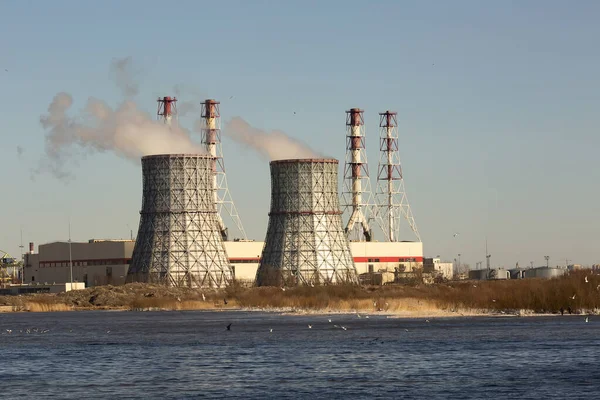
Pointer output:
x,y
201,253
96,262
544,272
436,267
106,262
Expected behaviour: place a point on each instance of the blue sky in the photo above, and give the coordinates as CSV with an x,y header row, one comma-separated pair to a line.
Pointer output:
x,y
498,109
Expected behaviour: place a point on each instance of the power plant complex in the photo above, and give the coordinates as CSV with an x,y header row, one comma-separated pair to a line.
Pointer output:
x,y
183,238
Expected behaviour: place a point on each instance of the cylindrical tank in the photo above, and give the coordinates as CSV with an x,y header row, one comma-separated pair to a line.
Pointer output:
x,y
517,273
178,241
479,274
305,242
545,272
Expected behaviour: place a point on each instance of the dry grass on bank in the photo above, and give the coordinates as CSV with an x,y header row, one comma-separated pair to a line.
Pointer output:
x,y
34,306
535,295
145,303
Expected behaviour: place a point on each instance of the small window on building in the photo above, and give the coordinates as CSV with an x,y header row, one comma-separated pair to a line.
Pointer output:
x,y
32,278
371,269
108,271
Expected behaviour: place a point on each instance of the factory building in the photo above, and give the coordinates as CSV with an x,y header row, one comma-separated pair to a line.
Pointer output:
x,y
436,267
387,256
517,273
96,262
106,262
244,257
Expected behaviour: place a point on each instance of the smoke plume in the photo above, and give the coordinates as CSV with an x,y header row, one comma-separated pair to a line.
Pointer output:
x,y
121,70
126,131
274,145
187,107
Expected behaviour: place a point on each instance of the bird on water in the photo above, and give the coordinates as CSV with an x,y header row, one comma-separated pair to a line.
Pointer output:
x,y
229,327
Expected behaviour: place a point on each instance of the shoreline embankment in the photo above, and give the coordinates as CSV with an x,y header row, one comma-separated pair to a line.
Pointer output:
x,y
575,293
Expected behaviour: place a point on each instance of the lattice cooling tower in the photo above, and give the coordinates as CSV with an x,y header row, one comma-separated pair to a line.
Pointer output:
x,y
305,243
178,241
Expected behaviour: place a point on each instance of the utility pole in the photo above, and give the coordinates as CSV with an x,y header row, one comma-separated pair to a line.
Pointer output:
x,y
70,255
459,263
547,261
22,260
487,256
531,263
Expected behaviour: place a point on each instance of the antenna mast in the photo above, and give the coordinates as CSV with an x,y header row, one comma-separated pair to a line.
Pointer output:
x,y
22,259
487,256
391,194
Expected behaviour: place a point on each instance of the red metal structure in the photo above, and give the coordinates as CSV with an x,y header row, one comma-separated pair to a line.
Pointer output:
x,y
167,108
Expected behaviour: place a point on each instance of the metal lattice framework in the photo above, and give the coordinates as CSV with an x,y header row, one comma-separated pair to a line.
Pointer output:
x,y
392,202
178,241
211,139
305,242
356,179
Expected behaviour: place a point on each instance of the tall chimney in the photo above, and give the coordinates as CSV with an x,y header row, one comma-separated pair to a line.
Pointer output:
x,y
356,176
211,139
167,108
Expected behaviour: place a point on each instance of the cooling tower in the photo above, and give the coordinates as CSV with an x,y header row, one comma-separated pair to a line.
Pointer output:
x,y
305,243
178,241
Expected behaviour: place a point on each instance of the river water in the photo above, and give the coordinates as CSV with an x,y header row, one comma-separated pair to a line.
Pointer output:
x,y
191,354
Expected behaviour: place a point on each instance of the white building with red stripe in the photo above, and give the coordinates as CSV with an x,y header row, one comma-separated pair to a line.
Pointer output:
x,y
103,262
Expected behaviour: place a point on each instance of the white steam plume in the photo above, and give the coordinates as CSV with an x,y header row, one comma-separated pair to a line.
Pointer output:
x,y
274,145
126,131
121,70
187,107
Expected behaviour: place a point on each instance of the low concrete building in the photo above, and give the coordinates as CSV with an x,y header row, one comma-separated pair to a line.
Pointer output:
x,y
436,267
387,256
106,262
244,256
96,262
41,288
